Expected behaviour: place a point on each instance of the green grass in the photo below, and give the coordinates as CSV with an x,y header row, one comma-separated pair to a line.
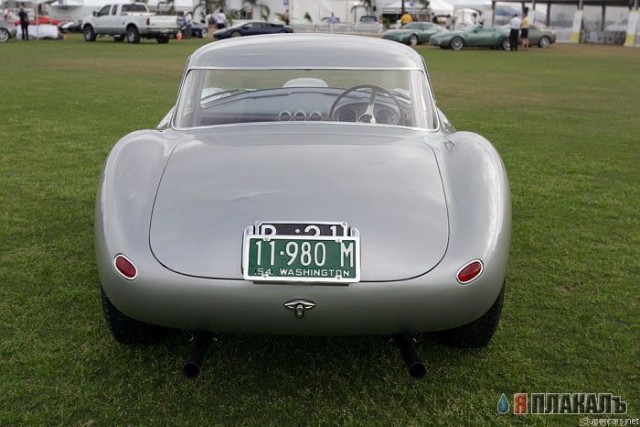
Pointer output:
x,y
565,121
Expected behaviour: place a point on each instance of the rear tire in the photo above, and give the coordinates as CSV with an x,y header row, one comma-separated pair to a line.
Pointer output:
x,y
236,34
477,333
133,36
506,44
544,42
457,43
413,40
89,33
163,39
129,331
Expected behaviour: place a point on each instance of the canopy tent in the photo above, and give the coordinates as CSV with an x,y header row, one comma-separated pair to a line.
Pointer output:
x,y
438,7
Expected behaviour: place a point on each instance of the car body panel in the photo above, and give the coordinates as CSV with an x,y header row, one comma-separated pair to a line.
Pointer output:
x,y
367,174
421,30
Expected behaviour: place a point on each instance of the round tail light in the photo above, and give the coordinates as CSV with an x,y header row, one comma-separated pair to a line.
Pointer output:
x,y
470,271
125,267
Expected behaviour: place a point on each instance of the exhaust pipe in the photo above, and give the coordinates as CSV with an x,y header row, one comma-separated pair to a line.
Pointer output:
x,y
192,365
416,367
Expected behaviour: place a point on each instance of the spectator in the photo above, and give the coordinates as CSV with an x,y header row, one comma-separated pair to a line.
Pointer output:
x,y
515,32
524,30
449,23
209,21
24,23
188,23
285,17
332,22
221,19
406,19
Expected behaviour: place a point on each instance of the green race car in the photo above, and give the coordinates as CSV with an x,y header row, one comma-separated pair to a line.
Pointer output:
x,y
476,36
413,33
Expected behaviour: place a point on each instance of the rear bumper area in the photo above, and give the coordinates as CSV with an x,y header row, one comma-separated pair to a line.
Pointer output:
x,y
427,303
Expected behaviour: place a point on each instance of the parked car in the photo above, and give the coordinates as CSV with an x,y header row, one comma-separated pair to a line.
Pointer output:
x,y
132,21
413,33
303,184
251,28
198,29
539,35
70,26
7,31
476,36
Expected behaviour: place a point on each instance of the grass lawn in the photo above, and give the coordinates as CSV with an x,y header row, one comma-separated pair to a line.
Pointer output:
x,y
565,121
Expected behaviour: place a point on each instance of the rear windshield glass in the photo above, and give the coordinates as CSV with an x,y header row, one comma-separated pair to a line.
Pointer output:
x,y
379,97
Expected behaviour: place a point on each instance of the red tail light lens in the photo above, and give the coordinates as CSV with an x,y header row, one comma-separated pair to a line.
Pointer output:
x,y
470,271
125,267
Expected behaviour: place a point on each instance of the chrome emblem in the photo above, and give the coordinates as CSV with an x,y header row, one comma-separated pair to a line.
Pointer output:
x,y
299,306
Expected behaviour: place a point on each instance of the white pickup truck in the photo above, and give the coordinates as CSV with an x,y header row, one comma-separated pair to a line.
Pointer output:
x,y
130,20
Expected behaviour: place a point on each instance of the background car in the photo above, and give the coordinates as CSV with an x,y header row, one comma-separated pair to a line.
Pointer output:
x,y
539,35
7,31
304,184
198,29
70,26
252,28
476,36
413,33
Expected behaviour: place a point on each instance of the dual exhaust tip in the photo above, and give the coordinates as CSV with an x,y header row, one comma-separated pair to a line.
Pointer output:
x,y
192,366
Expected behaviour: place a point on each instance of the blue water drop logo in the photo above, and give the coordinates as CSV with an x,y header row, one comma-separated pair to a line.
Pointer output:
x,y
503,404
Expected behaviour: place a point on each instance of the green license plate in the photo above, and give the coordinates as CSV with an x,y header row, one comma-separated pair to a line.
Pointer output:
x,y
325,259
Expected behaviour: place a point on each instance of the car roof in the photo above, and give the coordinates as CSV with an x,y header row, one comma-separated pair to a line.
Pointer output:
x,y
306,50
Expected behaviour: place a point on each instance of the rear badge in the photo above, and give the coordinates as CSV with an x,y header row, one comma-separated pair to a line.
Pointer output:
x,y
299,306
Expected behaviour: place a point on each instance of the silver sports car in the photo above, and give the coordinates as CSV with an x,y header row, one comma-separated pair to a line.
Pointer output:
x,y
304,184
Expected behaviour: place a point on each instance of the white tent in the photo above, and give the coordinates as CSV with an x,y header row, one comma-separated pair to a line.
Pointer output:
x,y
438,7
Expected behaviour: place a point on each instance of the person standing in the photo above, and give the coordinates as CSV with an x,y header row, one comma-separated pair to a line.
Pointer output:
x,y
515,32
221,19
524,31
285,17
24,23
188,23
406,19
333,20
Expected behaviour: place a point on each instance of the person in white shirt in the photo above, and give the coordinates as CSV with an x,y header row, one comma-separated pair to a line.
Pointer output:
x,y
515,32
221,20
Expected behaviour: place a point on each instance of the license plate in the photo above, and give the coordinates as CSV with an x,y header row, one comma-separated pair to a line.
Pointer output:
x,y
322,259
291,228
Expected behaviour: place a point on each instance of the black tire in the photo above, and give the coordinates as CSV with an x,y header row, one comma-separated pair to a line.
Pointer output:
x,y
163,38
129,331
118,38
4,35
133,36
456,43
413,40
506,44
89,33
544,42
235,34
477,333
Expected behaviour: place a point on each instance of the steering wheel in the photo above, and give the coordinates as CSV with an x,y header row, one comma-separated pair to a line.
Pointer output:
x,y
367,116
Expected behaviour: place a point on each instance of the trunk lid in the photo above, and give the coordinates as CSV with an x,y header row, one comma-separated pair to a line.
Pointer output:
x,y
383,181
